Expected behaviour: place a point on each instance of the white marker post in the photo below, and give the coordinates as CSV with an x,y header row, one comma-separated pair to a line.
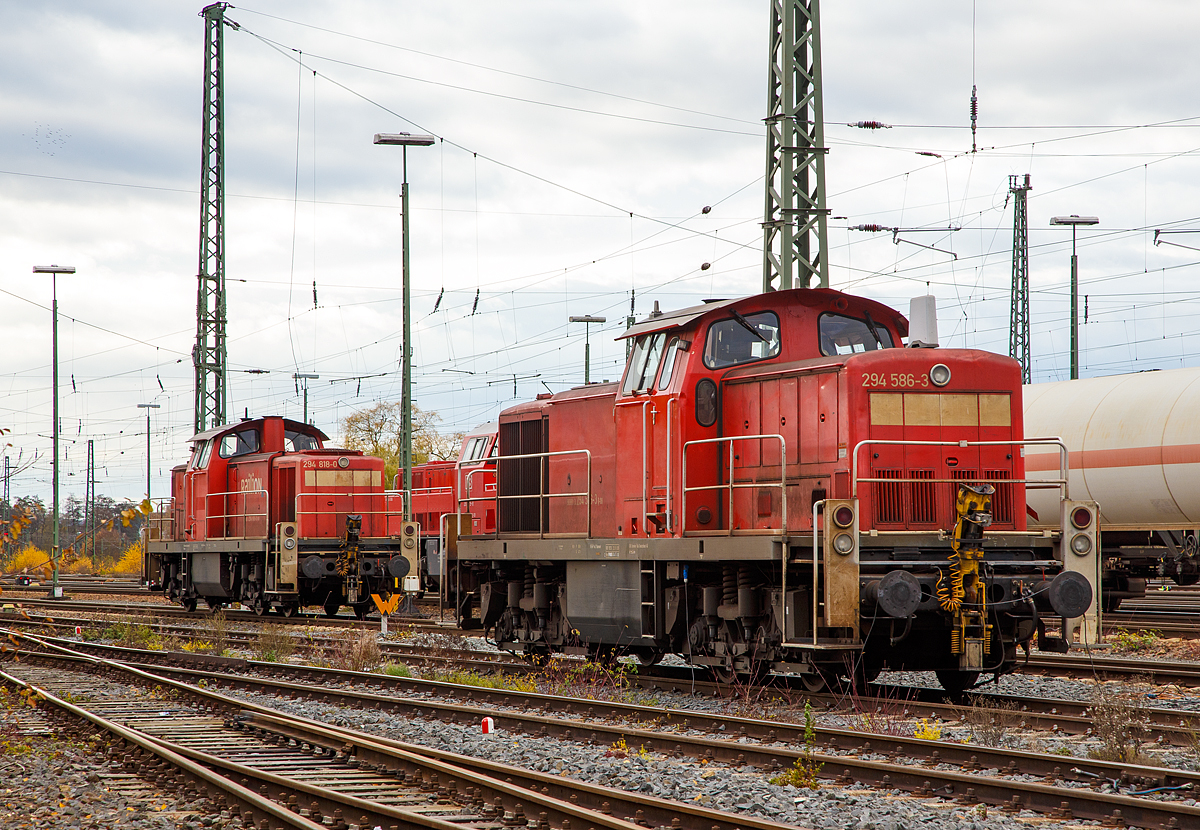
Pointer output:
x,y
383,624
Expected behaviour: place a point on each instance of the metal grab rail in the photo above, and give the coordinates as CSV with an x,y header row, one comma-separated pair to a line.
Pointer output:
x,y
540,495
385,495
244,516
162,519
1061,483
730,486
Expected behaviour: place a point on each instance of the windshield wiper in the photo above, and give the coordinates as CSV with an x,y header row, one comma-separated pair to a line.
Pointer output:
x,y
747,325
874,331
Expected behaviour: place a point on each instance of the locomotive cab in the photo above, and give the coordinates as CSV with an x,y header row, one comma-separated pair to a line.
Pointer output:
x,y
776,484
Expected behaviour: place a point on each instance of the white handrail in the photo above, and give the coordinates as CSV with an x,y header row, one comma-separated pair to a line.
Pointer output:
x,y
1063,461
731,485
541,494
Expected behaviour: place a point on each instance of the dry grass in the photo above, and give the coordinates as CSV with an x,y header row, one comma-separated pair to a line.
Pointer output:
x,y
989,721
358,653
274,644
1120,723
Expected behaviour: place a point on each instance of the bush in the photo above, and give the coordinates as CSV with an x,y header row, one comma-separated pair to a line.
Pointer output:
x,y
27,559
397,670
130,563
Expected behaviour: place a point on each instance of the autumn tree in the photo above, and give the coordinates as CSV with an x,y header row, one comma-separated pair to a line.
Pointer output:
x,y
377,431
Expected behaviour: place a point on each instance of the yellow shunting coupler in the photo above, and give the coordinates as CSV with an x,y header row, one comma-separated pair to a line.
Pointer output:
x,y
960,588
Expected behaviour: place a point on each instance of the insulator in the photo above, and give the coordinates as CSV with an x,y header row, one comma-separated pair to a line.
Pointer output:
x,y
729,583
870,125
871,228
974,105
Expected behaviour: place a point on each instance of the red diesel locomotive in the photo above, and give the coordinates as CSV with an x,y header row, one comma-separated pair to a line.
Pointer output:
x,y
776,484
263,514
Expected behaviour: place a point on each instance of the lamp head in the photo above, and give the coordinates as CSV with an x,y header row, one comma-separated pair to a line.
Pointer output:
x,y
404,139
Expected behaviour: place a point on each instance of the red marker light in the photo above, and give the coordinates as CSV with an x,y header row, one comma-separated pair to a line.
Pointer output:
x,y
1081,517
843,516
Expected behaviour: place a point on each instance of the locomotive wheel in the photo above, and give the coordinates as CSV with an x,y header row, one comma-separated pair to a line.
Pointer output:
x,y
724,674
1111,603
648,657
361,610
291,609
956,682
814,682
188,603
259,607
331,607
214,605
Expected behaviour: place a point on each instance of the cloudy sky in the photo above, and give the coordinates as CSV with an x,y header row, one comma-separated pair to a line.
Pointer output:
x,y
580,142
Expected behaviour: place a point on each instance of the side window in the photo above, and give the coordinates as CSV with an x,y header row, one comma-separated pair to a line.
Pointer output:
x,y
643,363
742,339
849,335
706,402
476,449
239,443
202,455
668,363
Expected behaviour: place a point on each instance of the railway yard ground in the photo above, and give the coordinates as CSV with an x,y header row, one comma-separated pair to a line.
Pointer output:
x,y
1108,738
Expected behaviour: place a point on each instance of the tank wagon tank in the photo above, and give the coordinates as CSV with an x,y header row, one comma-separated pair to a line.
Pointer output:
x,y
1134,445
265,515
777,485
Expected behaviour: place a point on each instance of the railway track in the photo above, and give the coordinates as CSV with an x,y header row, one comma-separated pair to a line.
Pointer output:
x,y
1079,788
294,772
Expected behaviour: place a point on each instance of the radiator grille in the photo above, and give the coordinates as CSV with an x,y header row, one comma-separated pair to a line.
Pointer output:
x,y
924,498
889,498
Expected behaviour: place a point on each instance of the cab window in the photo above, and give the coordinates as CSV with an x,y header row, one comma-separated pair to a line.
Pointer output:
x,y
742,339
668,363
239,443
299,442
849,335
643,363
476,447
200,459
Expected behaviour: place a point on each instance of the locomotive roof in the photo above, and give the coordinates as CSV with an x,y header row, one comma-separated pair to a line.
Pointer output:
x,y
813,297
288,423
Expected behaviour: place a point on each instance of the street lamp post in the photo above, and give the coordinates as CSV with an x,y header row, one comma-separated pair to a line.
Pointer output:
x,y
54,271
587,320
306,377
405,140
1074,220
148,407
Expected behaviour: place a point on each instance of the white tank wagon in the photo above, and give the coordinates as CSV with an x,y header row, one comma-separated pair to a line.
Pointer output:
x,y
1134,445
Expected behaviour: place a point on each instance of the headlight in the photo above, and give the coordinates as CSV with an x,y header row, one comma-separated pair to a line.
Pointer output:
x,y
843,544
343,462
289,543
939,375
1081,544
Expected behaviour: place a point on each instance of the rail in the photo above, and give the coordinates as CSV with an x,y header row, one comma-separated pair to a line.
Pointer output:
x,y
245,516
160,524
355,500
541,495
731,485
1061,482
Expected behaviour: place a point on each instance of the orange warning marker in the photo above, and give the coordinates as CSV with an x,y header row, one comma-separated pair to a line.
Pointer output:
x,y
388,606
